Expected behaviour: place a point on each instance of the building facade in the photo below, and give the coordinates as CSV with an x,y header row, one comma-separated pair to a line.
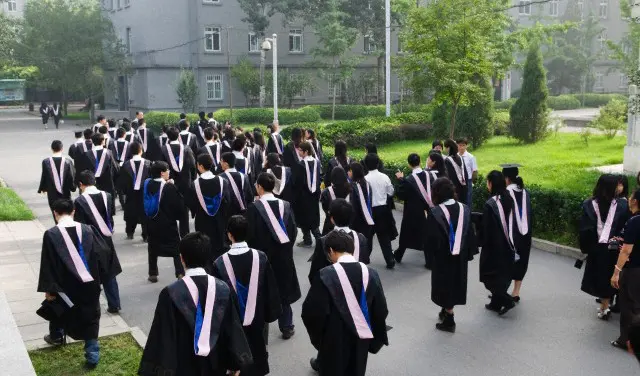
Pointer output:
x,y
13,7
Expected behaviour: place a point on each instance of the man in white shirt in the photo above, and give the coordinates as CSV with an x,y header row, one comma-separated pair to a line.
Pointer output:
x,y
384,227
102,121
470,163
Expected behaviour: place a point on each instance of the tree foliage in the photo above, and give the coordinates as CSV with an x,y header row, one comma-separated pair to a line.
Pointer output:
x,y
247,77
290,86
612,118
529,115
259,12
187,90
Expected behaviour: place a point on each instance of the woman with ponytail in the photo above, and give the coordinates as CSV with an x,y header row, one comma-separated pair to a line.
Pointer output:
x,y
435,165
520,226
340,188
498,254
340,159
457,171
361,201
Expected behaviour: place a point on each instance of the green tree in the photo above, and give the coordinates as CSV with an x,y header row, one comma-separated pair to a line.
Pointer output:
x,y
612,118
290,86
187,90
259,12
248,78
529,115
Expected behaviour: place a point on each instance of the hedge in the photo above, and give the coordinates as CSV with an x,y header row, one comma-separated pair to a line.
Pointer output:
x,y
569,101
155,119
265,115
563,102
501,120
348,111
598,100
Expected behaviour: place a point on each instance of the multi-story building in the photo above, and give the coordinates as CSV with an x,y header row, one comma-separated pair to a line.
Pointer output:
x,y
13,7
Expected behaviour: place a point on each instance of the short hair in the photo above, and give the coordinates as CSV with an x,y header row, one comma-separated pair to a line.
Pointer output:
x,y
184,125
205,161
173,134
239,143
443,190
306,147
87,134
183,115
195,249
87,177
63,206
436,143
413,160
141,121
267,181
102,130
101,118
229,158
341,211
135,148
371,161
238,227
137,112
229,133
371,148
56,146
339,241
208,133
462,140
157,168
210,115
296,134
97,139
111,123
121,132
201,114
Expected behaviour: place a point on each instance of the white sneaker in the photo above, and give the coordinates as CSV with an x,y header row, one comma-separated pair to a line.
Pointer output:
x,y
604,314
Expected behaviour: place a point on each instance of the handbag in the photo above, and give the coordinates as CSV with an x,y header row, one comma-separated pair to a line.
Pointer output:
x,y
52,310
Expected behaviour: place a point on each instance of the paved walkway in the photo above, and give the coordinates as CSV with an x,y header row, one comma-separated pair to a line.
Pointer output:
x,y
553,331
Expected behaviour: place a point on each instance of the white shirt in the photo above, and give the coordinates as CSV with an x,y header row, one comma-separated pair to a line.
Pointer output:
x,y
268,197
238,248
309,158
96,148
347,259
58,154
122,139
79,140
210,143
194,272
176,142
184,132
416,170
90,190
381,187
514,187
238,155
470,163
137,158
159,180
66,221
231,170
207,175
449,202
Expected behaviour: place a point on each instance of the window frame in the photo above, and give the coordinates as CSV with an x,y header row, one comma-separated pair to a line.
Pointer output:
x,y
213,79
598,83
257,37
524,7
603,9
623,82
293,35
368,41
554,8
602,40
211,30
15,5
330,83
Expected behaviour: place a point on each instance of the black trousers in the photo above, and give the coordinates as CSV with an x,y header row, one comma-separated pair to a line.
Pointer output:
x,y
130,226
153,265
184,223
383,219
306,234
499,295
399,253
629,300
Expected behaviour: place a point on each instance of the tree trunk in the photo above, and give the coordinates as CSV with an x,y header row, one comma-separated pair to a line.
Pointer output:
x,y
380,78
65,103
452,127
92,111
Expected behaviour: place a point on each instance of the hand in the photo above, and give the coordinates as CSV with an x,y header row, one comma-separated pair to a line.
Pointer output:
x,y
615,280
399,175
49,297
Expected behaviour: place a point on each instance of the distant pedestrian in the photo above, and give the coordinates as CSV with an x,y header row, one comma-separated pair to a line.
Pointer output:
x,y
56,112
44,113
471,164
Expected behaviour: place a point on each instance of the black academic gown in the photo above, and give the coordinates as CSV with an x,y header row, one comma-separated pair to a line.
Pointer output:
x,y
243,165
319,259
286,191
461,190
333,163
262,237
75,149
183,178
189,139
268,306
414,215
271,144
214,226
108,258
48,185
121,151
331,328
134,204
110,169
290,157
212,150
521,242
317,148
132,137
325,202
257,160
79,157
162,228
150,144
449,272
600,261
244,190
359,222
498,255
59,275
306,204
170,345
198,131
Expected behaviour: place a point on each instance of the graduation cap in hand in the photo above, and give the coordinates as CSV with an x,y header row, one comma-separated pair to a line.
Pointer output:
x,y
510,169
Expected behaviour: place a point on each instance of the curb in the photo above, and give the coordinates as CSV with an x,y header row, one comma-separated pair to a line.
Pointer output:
x,y
139,336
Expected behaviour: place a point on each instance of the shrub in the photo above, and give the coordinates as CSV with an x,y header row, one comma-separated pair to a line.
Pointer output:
x,y
505,105
265,115
563,102
155,119
612,118
597,100
501,122
348,111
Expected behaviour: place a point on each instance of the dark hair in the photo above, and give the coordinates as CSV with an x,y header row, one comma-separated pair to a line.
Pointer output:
x,y
120,132
438,163
357,172
442,190
164,128
414,160
239,143
157,168
87,134
208,133
229,133
296,136
141,121
273,160
452,146
512,175
436,143
238,227
371,161
97,139
248,136
312,133
624,180
371,148
340,182
605,190
101,118
306,147
499,188
135,148
340,152
102,130
201,114
63,206
56,146
339,241
341,211
184,125
210,114
258,139
229,158
194,249
267,181
462,140
205,161
87,178
112,123
173,134
183,116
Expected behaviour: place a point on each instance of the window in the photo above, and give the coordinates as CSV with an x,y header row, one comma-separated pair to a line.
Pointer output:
x,y
604,8
626,48
214,87
524,7
12,6
254,43
400,45
119,4
211,1
334,79
128,39
602,39
599,84
369,44
295,40
212,39
293,79
553,8
623,80
127,3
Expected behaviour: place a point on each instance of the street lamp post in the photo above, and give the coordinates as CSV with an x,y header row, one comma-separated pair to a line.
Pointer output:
x,y
267,44
387,53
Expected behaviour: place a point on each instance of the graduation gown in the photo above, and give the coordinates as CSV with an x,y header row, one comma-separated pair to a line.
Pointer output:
x,y
326,197
108,258
450,261
307,189
415,191
498,255
182,172
331,326
600,261
284,187
79,156
170,345
76,149
60,275
458,174
189,139
150,144
211,208
333,163
132,137
257,160
162,227
263,236
105,174
275,144
198,131
267,303
130,182
241,192
359,222
215,152
290,157
319,259
53,183
317,148
243,165
522,242
120,151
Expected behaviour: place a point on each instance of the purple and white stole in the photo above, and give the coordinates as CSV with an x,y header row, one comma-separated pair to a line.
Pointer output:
x,y
144,139
236,191
216,158
457,243
122,156
459,170
364,205
604,229
102,224
196,185
505,227
101,162
84,146
137,175
425,192
312,180
356,245
58,177
203,346
274,137
283,180
360,322
252,297
332,194
177,167
188,139
280,233
521,222
78,264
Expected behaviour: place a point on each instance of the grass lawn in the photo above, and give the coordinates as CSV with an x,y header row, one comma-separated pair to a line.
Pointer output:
x,y
12,208
560,161
77,115
119,355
